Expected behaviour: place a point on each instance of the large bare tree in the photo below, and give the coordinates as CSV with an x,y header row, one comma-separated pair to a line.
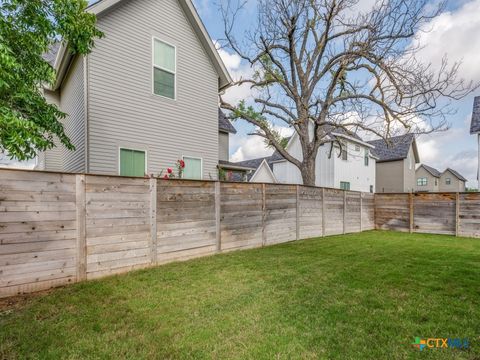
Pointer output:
x,y
319,66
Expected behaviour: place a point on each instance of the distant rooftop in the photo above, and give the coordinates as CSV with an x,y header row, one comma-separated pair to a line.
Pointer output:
x,y
395,149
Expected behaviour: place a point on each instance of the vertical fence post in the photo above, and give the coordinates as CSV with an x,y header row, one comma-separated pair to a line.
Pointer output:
x,y
323,211
344,211
298,212
218,233
457,214
361,212
410,206
153,220
81,258
264,215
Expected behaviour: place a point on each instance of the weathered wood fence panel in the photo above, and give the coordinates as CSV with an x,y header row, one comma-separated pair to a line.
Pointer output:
x,y
241,209
117,225
469,215
352,212
392,212
185,219
434,213
61,228
281,213
37,231
334,208
310,216
368,211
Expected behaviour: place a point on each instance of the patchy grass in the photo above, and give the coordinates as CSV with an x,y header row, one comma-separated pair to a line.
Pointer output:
x,y
359,296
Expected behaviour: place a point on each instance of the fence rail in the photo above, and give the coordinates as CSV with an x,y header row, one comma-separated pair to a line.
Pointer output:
x,y
59,228
436,213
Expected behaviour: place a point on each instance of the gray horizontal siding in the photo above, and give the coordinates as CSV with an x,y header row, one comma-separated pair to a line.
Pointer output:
x,y
122,109
53,158
72,103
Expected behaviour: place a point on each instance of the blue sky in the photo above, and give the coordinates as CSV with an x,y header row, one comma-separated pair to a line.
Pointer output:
x,y
455,33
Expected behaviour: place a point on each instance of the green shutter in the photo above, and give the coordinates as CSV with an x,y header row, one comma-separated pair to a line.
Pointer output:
x,y
193,168
132,162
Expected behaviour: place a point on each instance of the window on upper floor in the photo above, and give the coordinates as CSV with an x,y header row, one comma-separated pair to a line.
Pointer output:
x,y
164,69
367,157
357,147
371,188
448,181
436,182
422,181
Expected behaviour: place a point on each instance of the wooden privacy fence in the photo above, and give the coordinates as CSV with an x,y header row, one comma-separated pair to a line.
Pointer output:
x,y
62,228
436,213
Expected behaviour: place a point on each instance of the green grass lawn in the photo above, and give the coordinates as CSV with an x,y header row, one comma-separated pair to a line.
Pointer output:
x,y
359,296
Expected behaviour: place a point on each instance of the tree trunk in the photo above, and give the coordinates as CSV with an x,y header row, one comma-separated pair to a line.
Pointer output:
x,y
308,172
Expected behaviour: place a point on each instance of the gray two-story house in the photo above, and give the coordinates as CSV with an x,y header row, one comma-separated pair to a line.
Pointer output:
x,y
396,162
145,97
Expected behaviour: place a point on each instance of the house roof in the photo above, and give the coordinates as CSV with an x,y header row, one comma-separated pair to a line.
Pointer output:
x,y
224,123
101,7
255,164
432,171
456,173
234,165
396,149
51,55
475,124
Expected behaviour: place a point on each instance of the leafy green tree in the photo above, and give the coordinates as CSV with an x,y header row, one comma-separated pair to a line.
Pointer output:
x,y
28,28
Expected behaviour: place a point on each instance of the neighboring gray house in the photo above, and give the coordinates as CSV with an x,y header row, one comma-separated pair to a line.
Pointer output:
x,y
395,166
475,129
430,179
145,97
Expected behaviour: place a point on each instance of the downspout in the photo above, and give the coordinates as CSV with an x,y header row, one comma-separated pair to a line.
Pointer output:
x,y
478,168
86,108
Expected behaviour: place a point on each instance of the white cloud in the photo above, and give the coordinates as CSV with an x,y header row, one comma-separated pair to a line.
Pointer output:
x,y
251,147
454,34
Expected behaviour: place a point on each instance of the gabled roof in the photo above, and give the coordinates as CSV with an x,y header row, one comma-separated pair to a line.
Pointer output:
x,y
102,7
267,166
224,124
396,149
475,125
456,173
432,171
255,164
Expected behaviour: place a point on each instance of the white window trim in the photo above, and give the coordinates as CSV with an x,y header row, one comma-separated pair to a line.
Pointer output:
x,y
134,149
154,38
201,165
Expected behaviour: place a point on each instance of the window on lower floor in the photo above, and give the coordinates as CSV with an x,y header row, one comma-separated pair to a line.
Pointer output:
x,y
344,185
193,168
132,162
422,181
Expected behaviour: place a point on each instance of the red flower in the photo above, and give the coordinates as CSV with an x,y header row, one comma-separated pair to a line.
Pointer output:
x,y
182,163
166,177
169,170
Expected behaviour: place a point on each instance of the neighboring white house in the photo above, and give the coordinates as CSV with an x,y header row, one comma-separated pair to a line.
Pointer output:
x,y
145,97
353,168
475,129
